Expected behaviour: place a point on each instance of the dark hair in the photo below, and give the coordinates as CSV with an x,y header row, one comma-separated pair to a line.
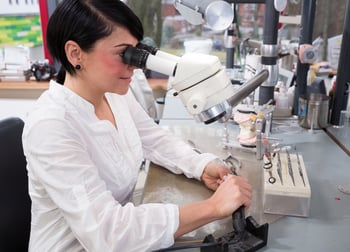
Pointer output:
x,y
85,22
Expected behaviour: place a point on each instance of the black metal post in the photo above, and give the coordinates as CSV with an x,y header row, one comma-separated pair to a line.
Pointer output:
x,y
269,52
230,46
341,92
307,25
271,19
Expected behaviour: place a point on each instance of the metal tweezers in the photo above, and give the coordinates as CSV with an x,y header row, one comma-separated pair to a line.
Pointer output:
x,y
290,170
279,167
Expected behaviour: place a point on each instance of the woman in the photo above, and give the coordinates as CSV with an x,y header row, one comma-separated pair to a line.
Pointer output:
x,y
87,136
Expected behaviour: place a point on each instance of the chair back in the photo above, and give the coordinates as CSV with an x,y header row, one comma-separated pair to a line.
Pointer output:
x,y
15,203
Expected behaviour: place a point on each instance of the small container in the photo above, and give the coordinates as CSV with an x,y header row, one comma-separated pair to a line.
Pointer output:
x,y
344,121
313,111
282,97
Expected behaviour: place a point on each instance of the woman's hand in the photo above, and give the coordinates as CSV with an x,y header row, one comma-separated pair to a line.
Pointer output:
x,y
232,193
213,175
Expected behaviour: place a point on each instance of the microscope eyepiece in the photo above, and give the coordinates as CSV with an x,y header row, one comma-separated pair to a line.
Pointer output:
x,y
135,56
151,49
140,58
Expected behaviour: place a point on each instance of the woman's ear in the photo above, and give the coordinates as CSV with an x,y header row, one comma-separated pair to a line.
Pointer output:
x,y
73,52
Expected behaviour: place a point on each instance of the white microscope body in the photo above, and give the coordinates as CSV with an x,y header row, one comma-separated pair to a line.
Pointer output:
x,y
199,80
203,86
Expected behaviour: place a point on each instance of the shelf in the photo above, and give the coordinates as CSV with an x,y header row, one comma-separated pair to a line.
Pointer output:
x,y
24,85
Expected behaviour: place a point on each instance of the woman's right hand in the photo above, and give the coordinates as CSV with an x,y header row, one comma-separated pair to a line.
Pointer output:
x,y
232,193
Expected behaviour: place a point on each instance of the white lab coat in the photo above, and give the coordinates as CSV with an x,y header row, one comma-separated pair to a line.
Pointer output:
x,y
82,172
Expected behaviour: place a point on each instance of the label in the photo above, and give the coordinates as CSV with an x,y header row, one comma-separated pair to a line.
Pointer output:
x,y
302,110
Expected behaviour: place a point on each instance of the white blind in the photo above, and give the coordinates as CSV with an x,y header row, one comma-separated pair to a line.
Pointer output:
x,y
19,7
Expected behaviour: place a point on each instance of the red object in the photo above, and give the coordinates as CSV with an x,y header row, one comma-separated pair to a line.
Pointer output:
x,y
44,19
280,25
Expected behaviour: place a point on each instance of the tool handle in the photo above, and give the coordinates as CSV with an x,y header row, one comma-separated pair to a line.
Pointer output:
x,y
238,220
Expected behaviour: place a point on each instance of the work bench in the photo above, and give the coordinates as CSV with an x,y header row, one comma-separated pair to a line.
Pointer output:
x,y
22,89
328,224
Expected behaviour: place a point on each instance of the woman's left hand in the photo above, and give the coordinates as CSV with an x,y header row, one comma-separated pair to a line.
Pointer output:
x,y
213,175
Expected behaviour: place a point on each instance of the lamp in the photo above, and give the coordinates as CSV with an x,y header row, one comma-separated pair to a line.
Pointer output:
x,y
217,14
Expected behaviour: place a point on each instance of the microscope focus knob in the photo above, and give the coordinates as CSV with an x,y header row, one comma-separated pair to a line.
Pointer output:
x,y
195,104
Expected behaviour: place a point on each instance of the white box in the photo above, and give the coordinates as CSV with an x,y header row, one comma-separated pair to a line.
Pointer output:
x,y
287,198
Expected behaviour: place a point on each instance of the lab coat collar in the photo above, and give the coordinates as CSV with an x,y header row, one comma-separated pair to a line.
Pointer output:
x,y
73,101
71,96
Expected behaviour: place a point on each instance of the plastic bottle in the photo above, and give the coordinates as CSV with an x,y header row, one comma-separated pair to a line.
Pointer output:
x,y
282,98
290,94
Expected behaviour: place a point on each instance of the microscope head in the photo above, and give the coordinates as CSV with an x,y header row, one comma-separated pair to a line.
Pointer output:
x,y
199,80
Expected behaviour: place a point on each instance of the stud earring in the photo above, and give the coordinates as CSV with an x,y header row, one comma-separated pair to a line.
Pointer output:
x,y
78,67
